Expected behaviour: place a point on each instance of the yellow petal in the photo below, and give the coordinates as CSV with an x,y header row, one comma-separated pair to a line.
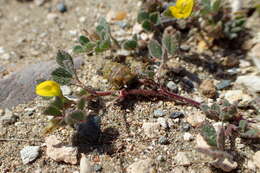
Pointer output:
x,y
48,88
182,9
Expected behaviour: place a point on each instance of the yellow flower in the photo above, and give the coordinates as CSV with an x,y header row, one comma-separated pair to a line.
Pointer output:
x,y
48,88
182,9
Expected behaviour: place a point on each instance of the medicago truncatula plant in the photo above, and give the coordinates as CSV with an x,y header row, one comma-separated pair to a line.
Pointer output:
x,y
70,112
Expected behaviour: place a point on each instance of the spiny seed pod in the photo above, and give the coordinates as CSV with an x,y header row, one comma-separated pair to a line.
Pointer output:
x,y
117,74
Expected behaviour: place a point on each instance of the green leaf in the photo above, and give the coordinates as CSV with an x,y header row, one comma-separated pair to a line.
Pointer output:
x,y
61,76
78,49
103,29
75,117
130,44
52,110
147,25
154,17
209,134
142,15
58,102
89,47
65,60
215,6
252,133
83,40
81,104
242,125
155,49
52,125
102,46
170,43
167,13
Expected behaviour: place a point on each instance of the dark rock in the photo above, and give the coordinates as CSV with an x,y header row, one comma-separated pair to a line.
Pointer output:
x,y
176,115
163,140
185,127
98,168
223,84
62,7
18,87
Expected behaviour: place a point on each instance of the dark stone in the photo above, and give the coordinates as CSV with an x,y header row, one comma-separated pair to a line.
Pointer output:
x,y
223,84
163,140
62,7
185,127
19,87
98,168
176,115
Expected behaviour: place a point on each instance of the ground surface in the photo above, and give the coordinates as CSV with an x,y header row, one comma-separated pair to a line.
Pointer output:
x,y
31,34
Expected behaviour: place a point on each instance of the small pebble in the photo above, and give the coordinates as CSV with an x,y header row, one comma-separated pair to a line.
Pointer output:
x,y
172,86
61,7
187,136
223,84
163,140
29,154
158,113
185,127
176,115
163,122
185,48
161,158
97,168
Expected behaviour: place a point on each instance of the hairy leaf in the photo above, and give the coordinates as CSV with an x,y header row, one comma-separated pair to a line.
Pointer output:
x,y
65,60
142,15
83,40
154,17
209,134
170,43
61,76
155,49
78,49
147,25
130,44
52,110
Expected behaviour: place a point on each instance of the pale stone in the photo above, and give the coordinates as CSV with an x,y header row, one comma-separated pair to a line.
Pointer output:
x,y
142,166
256,159
196,119
58,152
85,165
183,158
187,136
151,129
252,82
29,153
225,164
238,96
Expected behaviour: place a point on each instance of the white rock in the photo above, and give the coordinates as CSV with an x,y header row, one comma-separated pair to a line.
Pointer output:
x,y
137,28
256,159
255,55
73,32
29,154
225,164
8,118
183,158
179,170
252,82
163,122
58,152
85,165
251,165
66,90
142,166
52,16
151,129
5,56
2,50
39,2
196,119
82,19
201,143
238,96
187,136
